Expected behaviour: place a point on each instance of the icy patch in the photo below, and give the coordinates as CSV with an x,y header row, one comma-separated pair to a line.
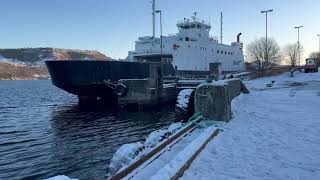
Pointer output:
x,y
127,153
61,177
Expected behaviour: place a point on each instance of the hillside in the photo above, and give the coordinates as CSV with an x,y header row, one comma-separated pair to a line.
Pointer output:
x,y
28,63
36,56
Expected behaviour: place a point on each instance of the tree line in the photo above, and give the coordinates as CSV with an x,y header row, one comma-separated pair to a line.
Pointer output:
x,y
265,55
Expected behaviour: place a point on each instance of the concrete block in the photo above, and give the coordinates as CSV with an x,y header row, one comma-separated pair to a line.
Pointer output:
x,y
213,100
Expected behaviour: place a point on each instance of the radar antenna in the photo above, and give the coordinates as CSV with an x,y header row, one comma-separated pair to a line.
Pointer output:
x,y
195,15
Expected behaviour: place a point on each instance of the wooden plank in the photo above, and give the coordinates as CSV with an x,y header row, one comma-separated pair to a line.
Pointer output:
x,y
194,156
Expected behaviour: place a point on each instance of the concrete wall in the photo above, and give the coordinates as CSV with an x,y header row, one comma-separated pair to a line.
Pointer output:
x,y
213,100
139,91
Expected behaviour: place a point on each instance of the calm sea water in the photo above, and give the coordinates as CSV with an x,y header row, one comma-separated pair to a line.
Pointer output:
x,y
43,133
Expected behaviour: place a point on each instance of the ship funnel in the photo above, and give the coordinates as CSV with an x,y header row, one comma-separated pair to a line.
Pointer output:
x,y
238,37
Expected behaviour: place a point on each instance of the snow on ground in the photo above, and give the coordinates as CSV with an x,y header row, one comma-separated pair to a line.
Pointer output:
x,y
275,133
181,158
2,59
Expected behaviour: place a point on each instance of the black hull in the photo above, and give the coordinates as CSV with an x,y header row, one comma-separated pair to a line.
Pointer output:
x,y
90,78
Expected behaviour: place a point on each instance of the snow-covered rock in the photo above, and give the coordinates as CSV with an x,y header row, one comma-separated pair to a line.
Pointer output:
x,y
183,98
124,156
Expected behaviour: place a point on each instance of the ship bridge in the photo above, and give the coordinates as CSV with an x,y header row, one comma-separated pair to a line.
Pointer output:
x,y
193,29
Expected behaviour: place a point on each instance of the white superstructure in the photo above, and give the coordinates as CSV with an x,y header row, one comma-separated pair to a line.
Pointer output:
x,y
192,48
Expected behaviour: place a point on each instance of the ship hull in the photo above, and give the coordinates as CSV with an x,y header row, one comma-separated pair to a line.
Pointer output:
x,y
94,78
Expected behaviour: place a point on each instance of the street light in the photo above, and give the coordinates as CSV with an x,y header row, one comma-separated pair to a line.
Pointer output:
x,y
298,27
159,11
267,11
319,41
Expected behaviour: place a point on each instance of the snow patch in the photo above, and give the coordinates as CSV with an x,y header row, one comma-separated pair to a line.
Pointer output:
x,y
183,98
61,177
124,156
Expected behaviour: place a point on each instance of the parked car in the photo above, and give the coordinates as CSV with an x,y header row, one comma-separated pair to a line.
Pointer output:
x,y
311,65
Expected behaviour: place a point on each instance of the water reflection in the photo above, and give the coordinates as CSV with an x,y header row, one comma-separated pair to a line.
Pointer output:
x,y
83,140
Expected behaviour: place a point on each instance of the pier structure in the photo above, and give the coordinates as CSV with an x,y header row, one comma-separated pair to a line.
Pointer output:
x,y
212,102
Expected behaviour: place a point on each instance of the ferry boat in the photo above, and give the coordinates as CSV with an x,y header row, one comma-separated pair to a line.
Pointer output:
x,y
191,49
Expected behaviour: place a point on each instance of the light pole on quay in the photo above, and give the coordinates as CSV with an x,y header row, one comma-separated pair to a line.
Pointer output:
x,y
266,12
319,41
298,27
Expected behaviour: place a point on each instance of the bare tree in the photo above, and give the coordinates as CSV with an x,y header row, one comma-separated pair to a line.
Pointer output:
x,y
291,51
264,58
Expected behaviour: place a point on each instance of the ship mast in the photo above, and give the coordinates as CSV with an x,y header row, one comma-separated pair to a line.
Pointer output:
x,y
221,27
153,18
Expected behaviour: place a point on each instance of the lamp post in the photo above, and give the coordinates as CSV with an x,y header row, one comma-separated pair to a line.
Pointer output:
x,y
159,11
319,41
266,12
298,27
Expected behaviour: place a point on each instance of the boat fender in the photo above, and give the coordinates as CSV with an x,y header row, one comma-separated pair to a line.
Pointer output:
x,y
120,90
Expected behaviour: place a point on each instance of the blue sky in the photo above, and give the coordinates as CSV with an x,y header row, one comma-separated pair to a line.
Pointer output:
x,y
112,26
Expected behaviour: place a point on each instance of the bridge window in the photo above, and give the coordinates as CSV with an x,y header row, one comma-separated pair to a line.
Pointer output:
x,y
218,51
221,52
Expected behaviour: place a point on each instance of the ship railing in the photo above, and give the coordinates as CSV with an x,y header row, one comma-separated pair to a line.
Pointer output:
x,y
213,38
173,34
194,20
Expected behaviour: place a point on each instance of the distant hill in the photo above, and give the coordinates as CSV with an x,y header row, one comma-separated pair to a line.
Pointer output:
x,y
37,56
28,63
